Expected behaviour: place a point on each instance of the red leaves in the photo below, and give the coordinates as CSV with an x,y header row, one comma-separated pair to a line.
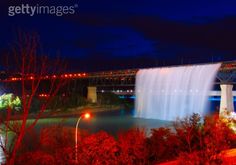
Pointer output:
x,y
35,158
207,141
133,149
163,145
99,148
56,137
102,148
192,143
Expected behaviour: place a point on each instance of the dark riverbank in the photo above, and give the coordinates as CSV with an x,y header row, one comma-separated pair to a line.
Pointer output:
x,y
73,112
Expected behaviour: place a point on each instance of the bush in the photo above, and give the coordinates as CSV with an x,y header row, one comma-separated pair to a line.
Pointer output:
x,y
100,148
56,137
65,102
188,132
54,145
35,158
133,147
217,136
212,137
162,145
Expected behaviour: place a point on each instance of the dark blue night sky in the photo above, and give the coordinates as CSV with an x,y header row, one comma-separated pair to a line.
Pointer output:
x,y
107,35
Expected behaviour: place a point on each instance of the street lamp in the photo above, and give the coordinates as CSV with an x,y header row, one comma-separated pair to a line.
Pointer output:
x,y
85,116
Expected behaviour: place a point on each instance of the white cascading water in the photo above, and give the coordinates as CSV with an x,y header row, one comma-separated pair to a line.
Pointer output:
x,y
174,92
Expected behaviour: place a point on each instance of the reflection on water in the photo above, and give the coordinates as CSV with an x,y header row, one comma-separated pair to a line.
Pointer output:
x,y
116,121
109,121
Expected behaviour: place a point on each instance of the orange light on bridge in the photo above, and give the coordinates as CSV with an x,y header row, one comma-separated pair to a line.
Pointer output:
x,y
43,95
13,79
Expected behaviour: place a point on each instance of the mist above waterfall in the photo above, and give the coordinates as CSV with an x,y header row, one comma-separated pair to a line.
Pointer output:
x,y
174,92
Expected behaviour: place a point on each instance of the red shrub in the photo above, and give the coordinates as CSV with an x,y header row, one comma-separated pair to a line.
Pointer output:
x,y
54,137
162,145
35,158
98,149
133,148
188,132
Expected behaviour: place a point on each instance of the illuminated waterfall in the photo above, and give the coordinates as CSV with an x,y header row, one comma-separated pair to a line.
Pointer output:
x,y
174,92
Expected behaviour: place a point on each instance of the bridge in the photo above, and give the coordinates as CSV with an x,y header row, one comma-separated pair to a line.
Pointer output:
x,y
131,92
125,79
226,75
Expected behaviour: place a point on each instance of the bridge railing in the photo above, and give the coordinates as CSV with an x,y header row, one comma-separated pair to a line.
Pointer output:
x,y
226,73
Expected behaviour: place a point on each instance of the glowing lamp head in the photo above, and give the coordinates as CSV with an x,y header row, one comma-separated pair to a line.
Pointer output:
x,y
87,115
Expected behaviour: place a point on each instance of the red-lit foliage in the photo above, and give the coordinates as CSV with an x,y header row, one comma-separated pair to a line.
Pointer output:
x,y
30,66
98,149
192,142
35,158
55,143
208,141
133,149
188,133
162,145
217,136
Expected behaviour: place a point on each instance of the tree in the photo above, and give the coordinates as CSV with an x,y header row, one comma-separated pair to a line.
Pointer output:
x,y
30,72
205,141
217,137
52,144
99,149
188,131
133,148
9,100
162,145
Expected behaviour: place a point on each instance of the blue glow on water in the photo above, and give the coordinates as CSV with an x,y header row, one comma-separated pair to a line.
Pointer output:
x,y
214,98
127,97
122,97
217,99
132,97
210,98
214,102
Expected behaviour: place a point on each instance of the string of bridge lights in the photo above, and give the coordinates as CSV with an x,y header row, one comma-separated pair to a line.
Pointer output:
x,y
76,75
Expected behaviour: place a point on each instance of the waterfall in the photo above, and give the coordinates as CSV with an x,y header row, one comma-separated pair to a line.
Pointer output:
x,y
169,93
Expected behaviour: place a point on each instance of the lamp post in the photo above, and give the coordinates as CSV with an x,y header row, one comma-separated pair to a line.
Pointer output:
x,y
86,116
